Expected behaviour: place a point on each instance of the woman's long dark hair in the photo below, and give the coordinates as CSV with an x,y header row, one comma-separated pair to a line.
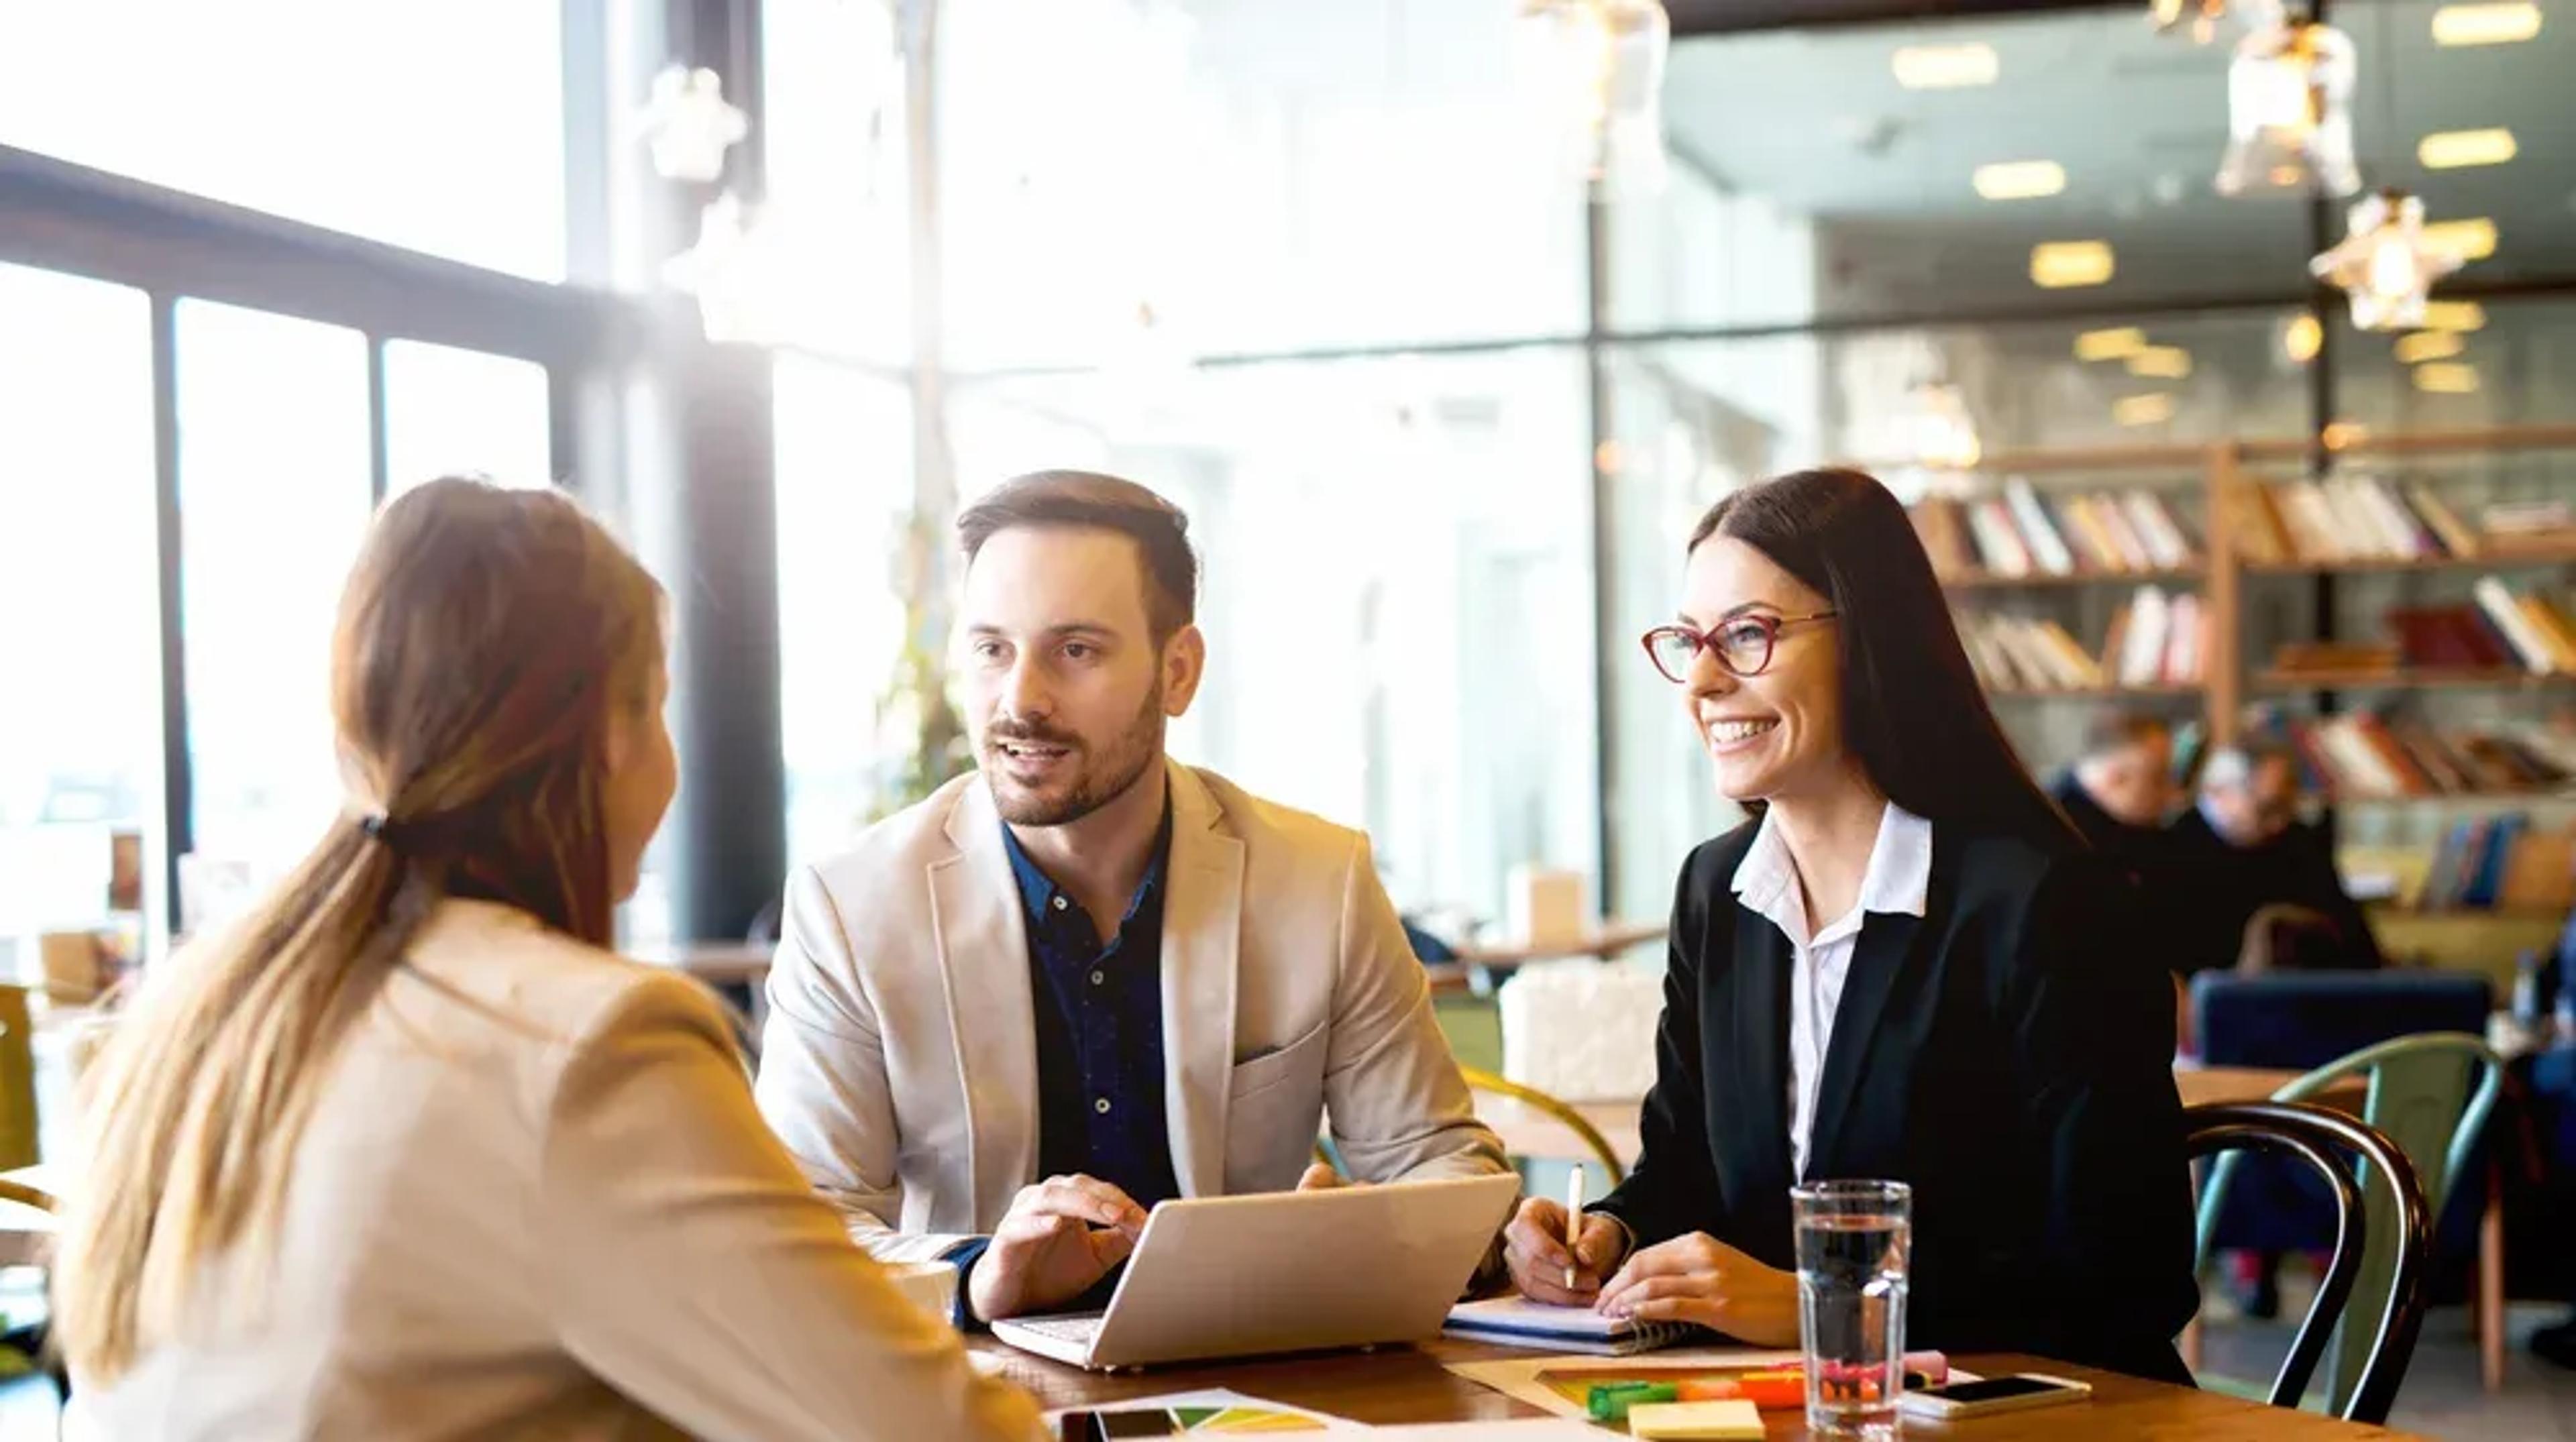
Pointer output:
x,y
1913,713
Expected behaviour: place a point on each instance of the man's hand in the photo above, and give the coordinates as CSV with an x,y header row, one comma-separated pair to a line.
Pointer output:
x,y
1320,1178
1701,1279
1534,1247
1058,1238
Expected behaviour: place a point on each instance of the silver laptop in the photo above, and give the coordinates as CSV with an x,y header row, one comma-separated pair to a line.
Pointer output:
x,y
1284,1272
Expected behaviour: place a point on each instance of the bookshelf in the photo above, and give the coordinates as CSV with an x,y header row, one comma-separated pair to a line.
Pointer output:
x,y
1975,580
2419,678
2094,694
2207,488
2531,560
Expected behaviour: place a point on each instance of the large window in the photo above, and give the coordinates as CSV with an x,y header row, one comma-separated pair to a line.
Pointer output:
x,y
273,491
1128,179
844,492
80,713
1396,592
459,412
431,124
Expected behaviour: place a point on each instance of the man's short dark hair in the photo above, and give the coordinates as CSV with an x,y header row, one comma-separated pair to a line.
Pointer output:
x,y
1160,530
2116,729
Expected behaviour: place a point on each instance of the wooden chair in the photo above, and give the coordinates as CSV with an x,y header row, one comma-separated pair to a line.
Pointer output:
x,y
2385,1341
1485,1081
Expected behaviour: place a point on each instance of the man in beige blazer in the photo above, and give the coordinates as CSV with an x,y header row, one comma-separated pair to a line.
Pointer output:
x,y
1087,978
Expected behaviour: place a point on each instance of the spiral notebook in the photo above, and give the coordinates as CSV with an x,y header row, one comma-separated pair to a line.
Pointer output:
x,y
1520,1322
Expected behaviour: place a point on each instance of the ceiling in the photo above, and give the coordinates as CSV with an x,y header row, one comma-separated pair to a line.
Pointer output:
x,y
1815,120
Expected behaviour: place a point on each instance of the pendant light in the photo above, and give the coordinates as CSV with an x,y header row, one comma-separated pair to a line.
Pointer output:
x,y
689,125
2385,262
2289,111
1598,65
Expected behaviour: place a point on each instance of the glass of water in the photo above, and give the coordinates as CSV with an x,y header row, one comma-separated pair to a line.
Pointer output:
x,y
1854,1239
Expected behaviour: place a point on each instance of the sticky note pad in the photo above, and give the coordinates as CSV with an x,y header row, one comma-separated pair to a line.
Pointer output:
x,y
1689,1421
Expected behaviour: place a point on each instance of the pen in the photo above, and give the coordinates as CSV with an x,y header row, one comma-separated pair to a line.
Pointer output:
x,y
1573,1220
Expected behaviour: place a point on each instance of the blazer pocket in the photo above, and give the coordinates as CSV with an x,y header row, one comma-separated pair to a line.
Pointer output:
x,y
1302,1058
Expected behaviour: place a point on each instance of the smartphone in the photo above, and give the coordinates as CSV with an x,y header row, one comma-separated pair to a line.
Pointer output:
x,y
1994,1394
1116,1426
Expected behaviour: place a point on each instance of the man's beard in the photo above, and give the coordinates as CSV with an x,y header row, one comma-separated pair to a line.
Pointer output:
x,y
1131,754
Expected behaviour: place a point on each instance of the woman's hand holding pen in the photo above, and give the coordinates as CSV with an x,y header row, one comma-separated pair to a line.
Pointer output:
x,y
1700,1279
1534,1247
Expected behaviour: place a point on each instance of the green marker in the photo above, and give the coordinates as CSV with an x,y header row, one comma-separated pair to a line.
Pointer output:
x,y
1611,1403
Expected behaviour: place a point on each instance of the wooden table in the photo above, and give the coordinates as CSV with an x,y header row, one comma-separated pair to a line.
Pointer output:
x,y
1410,1384
2208,1085
1528,1132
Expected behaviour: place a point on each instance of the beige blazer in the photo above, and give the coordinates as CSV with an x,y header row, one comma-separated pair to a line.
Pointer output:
x,y
535,1200
899,1063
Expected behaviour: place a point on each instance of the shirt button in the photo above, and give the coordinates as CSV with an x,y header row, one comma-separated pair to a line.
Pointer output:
x,y
1099,978
1060,903
1101,1106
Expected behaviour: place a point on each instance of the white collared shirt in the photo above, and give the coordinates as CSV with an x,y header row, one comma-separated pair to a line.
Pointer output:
x,y
1899,876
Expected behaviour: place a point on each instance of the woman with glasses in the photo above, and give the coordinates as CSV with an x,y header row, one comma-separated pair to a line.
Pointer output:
x,y
1907,968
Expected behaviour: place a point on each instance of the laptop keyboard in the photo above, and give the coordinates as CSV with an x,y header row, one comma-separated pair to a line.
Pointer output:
x,y
1063,1329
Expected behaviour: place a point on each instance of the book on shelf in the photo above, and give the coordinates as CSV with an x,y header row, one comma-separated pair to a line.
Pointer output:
x,y
2360,518
2498,629
2154,639
2373,754
2021,532
2531,627
2502,862
2038,531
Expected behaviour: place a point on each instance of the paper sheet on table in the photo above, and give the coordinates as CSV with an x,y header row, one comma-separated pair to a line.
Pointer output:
x,y
1218,1412
1517,1377
1528,1429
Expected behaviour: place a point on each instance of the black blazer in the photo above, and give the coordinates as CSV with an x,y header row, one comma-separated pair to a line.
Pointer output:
x,y
2009,1055
2218,886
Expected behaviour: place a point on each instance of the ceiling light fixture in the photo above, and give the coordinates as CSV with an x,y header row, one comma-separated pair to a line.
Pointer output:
x,y
2202,16
2387,261
2161,362
2153,408
2454,315
2019,179
2486,24
1944,67
2060,264
1600,63
2303,338
2429,345
2289,111
2468,239
2447,378
2102,345
2459,149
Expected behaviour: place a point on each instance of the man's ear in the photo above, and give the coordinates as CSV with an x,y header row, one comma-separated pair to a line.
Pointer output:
x,y
1184,663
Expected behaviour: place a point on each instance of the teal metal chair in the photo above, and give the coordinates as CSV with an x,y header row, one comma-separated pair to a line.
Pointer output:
x,y
2430,1094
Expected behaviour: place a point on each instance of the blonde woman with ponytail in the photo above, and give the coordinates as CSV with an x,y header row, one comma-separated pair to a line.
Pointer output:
x,y
409,1153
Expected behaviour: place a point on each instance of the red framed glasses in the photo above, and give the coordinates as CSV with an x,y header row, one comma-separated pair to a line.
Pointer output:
x,y
1742,645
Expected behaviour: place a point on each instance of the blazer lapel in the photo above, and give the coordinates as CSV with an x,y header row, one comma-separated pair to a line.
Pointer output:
x,y
983,946
1761,983
1878,958
1202,932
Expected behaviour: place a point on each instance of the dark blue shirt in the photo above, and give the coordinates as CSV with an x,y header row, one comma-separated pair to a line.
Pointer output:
x,y
1099,1014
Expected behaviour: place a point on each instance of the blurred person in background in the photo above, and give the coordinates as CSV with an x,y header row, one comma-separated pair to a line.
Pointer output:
x,y
2253,884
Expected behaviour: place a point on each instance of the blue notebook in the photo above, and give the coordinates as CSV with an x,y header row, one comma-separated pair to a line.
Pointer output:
x,y
1520,1322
